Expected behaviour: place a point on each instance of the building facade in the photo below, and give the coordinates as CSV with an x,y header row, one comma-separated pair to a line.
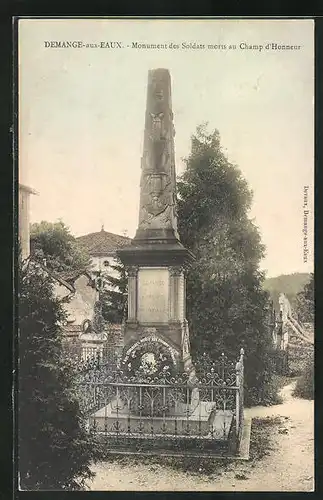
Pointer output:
x,y
102,247
24,219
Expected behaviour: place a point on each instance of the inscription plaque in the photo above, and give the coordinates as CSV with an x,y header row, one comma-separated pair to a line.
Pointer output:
x,y
153,289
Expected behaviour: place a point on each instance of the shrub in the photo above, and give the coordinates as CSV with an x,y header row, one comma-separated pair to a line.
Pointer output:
x,y
55,449
226,302
305,383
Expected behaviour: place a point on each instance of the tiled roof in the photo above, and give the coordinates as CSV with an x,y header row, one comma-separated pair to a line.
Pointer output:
x,y
103,243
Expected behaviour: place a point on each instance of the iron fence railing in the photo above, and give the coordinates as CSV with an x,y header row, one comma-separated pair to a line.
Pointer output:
x,y
125,410
97,355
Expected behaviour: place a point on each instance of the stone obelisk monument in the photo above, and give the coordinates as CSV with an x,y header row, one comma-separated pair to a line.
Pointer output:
x,y
156,259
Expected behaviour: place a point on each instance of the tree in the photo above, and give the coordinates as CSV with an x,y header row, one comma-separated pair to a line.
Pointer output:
x,y
53,243
305,302
55,450
226,304
114,293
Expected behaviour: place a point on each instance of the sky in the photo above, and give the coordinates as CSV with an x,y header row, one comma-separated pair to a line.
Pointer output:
x,y
81,118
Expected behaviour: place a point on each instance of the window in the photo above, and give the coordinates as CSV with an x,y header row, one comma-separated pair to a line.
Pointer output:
x,y
106,263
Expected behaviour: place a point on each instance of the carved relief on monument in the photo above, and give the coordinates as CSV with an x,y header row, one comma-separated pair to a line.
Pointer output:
x,y
132,271
158,183
176,270
156,202
158,92
158,350
158,187
149,330
157,130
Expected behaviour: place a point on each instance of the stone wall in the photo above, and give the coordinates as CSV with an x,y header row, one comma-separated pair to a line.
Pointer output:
x,y
81,304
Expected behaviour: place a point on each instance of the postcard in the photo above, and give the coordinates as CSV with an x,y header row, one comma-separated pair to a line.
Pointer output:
x,y
166,254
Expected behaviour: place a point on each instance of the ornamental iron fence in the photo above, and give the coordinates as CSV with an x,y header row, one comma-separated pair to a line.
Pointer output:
x,y
165,411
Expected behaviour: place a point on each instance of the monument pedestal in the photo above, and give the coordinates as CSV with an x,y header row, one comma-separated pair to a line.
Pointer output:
x,y
156,300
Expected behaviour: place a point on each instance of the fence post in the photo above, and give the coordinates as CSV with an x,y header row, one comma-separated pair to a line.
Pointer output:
x,y
239,393
241,388
237,398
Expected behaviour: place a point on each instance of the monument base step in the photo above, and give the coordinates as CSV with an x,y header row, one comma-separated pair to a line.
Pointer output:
x,y
220,450
200,421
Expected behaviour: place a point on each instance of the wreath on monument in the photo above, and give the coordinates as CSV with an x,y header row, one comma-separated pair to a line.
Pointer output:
x,y
148,360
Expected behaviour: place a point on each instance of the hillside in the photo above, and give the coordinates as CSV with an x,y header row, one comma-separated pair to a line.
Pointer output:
x,y
290,284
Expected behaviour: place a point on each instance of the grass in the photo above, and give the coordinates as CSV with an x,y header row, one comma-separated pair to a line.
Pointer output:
x,y
261,441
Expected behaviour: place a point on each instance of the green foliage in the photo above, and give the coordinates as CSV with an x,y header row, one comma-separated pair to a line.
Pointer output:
x,y
55,450
299,357
114,293
289,284
305,383
229,195
226,303
53,242
305,302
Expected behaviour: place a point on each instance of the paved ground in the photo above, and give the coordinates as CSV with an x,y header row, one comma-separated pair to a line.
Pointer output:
x,y
289,466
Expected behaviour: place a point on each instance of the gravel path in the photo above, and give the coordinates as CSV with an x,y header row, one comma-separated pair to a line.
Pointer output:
x,y
288,467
